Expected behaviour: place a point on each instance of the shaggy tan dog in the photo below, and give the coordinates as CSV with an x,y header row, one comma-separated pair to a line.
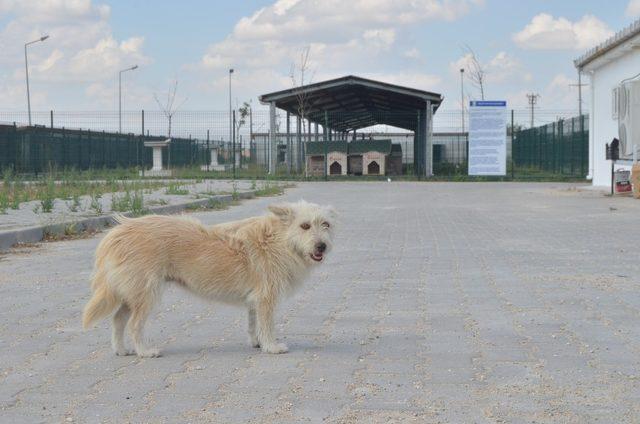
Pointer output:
x,y
251,262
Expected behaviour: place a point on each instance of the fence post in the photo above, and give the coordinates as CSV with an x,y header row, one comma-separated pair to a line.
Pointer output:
x,y
583,169
572,149
562,143
233,145
512,148
554,145
51,118
325,145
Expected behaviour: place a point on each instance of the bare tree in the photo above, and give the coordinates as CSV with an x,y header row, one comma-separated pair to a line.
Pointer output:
x,y
168,108
475,71
243,113
299,78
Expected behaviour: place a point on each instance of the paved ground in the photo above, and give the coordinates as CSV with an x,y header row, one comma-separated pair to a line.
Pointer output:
x,y
457,303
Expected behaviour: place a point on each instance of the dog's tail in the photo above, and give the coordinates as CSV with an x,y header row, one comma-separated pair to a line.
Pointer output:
x,y
119,218
101,304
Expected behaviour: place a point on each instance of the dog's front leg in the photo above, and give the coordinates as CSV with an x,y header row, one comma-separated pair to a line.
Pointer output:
x,y
266,338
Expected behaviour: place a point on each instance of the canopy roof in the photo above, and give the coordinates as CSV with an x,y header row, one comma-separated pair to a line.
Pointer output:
x,y
351,102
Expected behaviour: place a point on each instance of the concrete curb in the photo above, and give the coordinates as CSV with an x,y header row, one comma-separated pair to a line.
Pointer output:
x,y
34,234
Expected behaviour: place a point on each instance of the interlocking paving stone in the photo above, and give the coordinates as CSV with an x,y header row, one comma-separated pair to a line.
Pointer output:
x,y
442,302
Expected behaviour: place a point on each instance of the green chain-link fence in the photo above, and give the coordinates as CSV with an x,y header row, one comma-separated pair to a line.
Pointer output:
x,y
33,150
559,148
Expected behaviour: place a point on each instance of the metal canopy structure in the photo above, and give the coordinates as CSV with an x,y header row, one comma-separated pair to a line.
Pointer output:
x,y
350,103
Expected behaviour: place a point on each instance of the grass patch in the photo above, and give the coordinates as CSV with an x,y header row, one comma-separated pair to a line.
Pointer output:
x,y
66,185
4,202
176,189
269,188
216,204
158,202
129,201
95,205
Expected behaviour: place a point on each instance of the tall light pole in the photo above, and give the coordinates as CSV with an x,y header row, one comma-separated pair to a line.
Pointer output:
x,y
462,97
120,95
26,69
231,141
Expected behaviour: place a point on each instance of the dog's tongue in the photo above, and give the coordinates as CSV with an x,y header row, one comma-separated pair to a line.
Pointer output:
x,y
316,256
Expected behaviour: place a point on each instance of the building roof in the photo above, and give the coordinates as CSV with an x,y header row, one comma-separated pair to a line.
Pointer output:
x,y
317,147
363,146
623,42
353,102
354,147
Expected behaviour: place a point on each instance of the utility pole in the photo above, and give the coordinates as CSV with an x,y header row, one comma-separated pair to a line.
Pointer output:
x,y
579,85
462,97
533,99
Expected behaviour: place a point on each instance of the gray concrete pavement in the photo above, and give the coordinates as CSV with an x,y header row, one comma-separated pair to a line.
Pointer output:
x,y
441,303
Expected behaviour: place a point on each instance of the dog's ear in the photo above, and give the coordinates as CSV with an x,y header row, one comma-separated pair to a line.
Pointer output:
x,y
284,211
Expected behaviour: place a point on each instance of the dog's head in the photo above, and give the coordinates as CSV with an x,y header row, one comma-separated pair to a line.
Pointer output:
x,y
308,228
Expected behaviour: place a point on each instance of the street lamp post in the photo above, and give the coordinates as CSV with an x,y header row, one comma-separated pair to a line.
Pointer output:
x,y
462,96
120,95
232,142
26,69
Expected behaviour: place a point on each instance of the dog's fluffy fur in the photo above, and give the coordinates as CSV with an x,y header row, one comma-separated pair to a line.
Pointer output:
x,y
251,262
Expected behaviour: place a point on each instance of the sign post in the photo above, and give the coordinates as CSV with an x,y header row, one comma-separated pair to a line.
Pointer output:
x,y
488,138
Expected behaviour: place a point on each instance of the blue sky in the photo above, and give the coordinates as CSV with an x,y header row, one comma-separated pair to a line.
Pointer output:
x,y
525,46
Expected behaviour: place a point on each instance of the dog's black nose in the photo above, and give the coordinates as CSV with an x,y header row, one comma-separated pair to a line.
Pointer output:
x,y
321,247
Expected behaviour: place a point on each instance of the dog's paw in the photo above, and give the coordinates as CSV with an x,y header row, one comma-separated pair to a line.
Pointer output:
x,y
148,353
124,352
275,348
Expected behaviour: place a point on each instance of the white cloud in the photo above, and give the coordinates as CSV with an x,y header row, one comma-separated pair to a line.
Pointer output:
x,y
633,9
81,50
418,80
412,53
558,94
382,39
106,58
356,36
561,93
500,69
545,32
314,20
54,11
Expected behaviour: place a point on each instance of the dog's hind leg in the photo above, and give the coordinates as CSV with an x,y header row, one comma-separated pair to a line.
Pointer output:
x,y
120,320
253,338
139,313
266,338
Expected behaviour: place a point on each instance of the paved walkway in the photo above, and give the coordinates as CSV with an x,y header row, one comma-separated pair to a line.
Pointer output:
x,y
442,303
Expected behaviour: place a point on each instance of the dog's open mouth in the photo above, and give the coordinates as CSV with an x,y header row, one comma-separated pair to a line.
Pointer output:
x,y
317,256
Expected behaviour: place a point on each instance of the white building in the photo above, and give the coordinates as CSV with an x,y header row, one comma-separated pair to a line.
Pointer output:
x,y
607,66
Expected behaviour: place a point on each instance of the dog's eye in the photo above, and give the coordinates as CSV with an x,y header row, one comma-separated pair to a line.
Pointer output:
x,y
326,225
305,226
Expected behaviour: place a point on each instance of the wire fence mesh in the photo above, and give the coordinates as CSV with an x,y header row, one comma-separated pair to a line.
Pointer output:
x,y
556,143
